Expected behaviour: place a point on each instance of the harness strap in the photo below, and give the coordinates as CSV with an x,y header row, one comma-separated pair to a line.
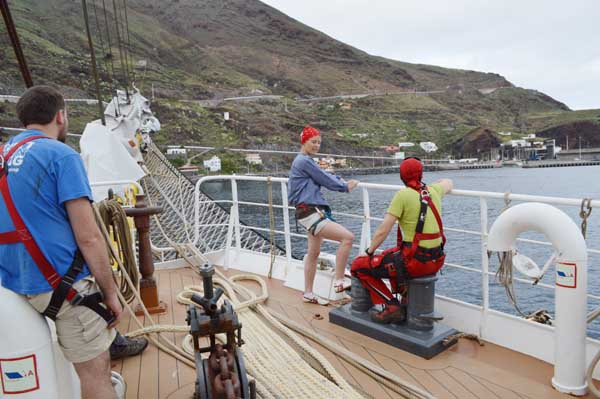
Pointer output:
x,y
62,291
93,302
426,202
11,237
62,287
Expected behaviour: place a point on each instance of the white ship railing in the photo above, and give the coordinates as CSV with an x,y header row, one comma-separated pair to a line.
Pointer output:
x,y
366,217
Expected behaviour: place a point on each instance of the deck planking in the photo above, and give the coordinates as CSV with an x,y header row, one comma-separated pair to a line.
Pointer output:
x,y
466,371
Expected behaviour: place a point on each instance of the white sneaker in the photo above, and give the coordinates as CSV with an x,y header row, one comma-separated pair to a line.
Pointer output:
x,y
312,298
341,285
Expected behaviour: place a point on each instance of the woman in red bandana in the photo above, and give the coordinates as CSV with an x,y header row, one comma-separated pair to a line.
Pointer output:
x,y
405,209
314,214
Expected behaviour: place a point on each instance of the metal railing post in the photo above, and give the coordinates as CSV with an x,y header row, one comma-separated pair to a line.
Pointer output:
x,y
235,213
485,265
229,238
365,235
286,227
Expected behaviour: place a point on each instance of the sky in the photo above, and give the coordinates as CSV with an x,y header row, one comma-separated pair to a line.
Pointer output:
x,y
548,45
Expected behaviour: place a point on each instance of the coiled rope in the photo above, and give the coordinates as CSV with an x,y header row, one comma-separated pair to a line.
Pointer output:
x,y
114,219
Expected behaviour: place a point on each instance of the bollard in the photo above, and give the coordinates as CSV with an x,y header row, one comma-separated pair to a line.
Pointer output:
x,y
361,298
421,298
148,290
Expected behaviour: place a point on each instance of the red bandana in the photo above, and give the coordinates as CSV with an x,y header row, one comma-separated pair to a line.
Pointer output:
x,y
308,133
411,173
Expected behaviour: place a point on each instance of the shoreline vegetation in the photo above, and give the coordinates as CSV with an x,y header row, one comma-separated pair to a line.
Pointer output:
x,y
431,168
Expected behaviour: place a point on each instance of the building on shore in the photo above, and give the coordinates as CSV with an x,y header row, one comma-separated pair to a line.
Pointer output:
x,y
213,164
176,153
253,159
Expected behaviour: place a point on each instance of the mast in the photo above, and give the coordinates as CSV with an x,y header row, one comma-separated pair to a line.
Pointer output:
x,y
14,39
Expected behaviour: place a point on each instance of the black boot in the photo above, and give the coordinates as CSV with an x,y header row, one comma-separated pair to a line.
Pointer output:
x,y
123,346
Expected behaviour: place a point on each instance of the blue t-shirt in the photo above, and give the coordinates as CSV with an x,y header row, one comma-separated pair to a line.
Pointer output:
x,y
42,175
306,179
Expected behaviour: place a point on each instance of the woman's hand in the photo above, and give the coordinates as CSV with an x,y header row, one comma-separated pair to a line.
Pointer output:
x,y
351,184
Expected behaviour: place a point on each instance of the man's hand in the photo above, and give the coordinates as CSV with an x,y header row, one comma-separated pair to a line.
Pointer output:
x,y
112,302
352,184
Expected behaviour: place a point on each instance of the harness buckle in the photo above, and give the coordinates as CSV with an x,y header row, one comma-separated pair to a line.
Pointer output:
x,y
77,299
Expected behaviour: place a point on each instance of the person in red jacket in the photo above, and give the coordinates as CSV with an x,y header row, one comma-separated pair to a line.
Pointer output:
x,y
416,207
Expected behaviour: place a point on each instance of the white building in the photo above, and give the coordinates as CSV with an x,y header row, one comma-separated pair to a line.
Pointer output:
x,y
253,159
176,151
213,164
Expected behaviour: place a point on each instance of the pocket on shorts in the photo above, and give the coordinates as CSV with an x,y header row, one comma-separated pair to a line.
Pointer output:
x,y
92,324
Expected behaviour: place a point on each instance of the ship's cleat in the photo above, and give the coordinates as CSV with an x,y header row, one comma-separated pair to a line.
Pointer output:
x,y
392,313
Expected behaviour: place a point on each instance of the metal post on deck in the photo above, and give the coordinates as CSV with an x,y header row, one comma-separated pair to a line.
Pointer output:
x,y
235,212
485,266
365,236
286,227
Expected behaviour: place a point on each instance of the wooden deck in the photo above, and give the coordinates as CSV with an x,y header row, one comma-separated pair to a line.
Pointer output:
x,y
466,371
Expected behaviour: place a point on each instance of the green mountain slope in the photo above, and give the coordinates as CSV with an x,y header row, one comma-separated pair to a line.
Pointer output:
x,y
213,49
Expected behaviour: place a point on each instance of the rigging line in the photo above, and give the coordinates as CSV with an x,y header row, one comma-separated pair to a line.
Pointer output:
x,y
122,38
104,55
125,75
14,39
126,48
112,65
128,40
93,61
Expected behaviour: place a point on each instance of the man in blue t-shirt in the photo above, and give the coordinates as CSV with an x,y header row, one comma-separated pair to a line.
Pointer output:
x,y
49,187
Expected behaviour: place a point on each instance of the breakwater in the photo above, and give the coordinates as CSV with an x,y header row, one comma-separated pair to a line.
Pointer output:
x,y
558,164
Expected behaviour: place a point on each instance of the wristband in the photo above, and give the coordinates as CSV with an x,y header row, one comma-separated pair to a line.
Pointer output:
x,y
367,252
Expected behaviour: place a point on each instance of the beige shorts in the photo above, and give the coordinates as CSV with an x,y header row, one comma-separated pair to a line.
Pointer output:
x,y
314,223
82,333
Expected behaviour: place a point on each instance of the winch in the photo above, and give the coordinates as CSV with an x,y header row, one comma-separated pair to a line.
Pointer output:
x,y
223,374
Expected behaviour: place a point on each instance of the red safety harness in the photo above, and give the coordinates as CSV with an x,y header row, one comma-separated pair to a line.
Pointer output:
x,y
62,286
421,261
416,261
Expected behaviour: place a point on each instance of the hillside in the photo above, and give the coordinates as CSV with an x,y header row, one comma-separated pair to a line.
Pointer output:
x,y
214,49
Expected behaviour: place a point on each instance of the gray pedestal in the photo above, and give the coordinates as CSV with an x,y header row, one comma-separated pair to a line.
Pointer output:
x,y
426,344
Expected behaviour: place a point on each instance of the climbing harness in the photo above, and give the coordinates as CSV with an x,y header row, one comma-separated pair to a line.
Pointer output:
x,y
405,260
62,286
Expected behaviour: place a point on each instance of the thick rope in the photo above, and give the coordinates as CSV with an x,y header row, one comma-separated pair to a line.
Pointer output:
x,y
504,276
114,218
159,341
270,344
589,376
